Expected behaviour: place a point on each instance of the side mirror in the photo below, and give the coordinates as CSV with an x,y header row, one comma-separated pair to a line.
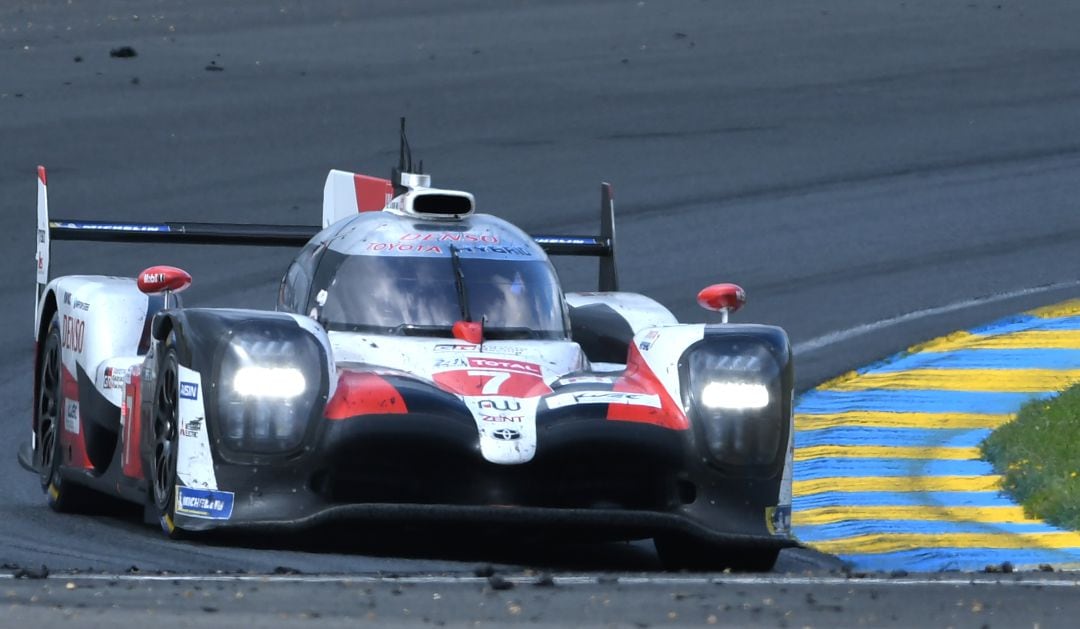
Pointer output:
x,y
163,280
722,298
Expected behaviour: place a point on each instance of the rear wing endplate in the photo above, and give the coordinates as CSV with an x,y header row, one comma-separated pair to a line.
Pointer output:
x,y
602,246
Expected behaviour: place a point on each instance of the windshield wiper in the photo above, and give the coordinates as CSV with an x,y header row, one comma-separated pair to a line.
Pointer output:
x,y
459,283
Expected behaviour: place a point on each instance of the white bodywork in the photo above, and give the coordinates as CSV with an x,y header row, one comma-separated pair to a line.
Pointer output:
x,y
101,321
194,461
639,311
494,362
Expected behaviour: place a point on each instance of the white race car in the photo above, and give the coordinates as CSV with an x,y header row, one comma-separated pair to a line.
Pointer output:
x,y
423,365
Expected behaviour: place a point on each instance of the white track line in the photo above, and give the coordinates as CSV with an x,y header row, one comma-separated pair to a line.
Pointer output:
x,y
586,580
820,342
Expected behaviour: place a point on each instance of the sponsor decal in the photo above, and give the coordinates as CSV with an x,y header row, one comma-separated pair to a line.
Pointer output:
x,y
192,427
71,416
505,434
67,298
41,236
587,380
488,348
73,330
81,305
406,247
502,419
153,278
499,404
561,400
450,237
114,378
113,227
450,363
648,340
565,240
499,364
189,390
204,503
457,348
504,250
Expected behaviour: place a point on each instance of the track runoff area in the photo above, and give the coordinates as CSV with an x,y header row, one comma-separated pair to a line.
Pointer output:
x,y
888,472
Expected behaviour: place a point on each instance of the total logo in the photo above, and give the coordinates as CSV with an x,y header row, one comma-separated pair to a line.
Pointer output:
x,y
505,365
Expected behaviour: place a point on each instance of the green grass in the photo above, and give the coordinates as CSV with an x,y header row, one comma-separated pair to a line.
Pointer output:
x,y
1038,453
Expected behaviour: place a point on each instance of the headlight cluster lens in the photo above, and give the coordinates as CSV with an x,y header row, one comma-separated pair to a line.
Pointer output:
x,y
270,382
735,396
268,386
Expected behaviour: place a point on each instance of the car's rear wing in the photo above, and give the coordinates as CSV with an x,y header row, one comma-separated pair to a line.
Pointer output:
x,y
602,246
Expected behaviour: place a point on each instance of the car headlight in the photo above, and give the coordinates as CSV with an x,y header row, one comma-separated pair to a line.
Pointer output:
x,y
734,387
269,382
268,386
735,396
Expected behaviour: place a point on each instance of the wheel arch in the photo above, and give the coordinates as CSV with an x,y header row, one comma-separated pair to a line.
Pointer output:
x,y
48,309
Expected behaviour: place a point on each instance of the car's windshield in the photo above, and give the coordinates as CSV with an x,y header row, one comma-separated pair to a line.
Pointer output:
x,y
419,295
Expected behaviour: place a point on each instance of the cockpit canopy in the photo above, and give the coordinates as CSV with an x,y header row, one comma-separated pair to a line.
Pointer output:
x,y
388,274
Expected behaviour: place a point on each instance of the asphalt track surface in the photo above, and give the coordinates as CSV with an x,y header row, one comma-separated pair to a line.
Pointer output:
x,y
872,173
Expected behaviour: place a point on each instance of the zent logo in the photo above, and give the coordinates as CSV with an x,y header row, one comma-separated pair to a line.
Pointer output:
x,y
189,390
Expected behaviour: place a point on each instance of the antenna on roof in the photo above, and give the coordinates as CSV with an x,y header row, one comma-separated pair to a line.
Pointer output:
x,y
404,162
404,177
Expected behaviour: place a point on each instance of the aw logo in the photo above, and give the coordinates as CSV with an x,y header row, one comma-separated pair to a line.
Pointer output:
x,y
189,390
499,404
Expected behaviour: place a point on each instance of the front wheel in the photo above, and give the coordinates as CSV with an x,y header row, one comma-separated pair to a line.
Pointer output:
x,y
682,553
49,452
165,419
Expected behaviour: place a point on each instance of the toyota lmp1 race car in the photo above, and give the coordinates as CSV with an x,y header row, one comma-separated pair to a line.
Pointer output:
x,y
422,365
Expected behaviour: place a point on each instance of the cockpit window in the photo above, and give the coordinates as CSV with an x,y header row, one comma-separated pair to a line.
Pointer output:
x,y
419,295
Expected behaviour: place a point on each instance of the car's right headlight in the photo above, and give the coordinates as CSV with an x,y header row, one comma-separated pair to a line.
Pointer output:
x,y
735,400
267,388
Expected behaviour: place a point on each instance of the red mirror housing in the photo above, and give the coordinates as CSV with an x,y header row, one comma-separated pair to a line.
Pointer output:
x,y
722,297
159,279
469,331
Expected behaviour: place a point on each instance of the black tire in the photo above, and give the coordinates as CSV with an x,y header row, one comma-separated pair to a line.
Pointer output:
x,y
682,553
64,497
165,415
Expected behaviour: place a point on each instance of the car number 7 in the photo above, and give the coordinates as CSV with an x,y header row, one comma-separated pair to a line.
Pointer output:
x,y
496,379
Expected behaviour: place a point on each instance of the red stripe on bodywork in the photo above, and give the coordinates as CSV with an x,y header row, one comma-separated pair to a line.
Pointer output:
x,y
74,444
41,174
364,394
639,378
131,412
372,193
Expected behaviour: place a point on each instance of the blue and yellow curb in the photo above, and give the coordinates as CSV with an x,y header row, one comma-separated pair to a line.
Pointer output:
x,y
888,471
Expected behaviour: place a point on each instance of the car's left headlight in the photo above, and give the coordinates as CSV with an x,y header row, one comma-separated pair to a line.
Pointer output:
x,y
734,397
267,388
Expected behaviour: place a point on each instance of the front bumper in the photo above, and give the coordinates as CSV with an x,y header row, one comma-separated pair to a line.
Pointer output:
x,y
590,479
608,524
